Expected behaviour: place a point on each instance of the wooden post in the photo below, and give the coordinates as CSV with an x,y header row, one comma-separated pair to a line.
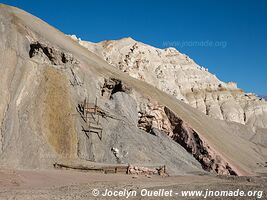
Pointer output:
x,y
128,169
84,105
101,134
95,104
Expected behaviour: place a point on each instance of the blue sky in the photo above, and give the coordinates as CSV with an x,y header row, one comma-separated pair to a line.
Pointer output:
x,y
228,37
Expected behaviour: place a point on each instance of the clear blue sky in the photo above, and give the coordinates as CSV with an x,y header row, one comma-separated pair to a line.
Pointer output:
x,y
236,30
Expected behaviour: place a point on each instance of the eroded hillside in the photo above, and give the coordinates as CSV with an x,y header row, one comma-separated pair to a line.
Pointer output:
x,y
178,75
60,102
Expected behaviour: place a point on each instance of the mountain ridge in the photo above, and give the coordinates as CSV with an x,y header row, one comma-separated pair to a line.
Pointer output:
x,y
177,74
45,78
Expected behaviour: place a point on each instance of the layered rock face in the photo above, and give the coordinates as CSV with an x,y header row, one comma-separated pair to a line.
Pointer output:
x,y
178,75
153,116
60,102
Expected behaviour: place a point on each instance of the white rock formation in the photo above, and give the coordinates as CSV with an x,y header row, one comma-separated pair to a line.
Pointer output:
x,y
178,75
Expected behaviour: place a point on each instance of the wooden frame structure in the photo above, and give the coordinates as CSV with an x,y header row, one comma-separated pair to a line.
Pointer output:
x,y
90,114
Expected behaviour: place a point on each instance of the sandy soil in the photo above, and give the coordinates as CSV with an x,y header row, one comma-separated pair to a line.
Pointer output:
x,y
69,184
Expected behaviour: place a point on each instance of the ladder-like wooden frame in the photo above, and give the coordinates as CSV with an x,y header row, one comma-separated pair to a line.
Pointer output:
x,y
90,110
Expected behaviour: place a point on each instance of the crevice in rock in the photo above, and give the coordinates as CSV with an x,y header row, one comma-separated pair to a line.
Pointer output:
x,y
127,56
145,122
190,140
50,54
245,117
112,86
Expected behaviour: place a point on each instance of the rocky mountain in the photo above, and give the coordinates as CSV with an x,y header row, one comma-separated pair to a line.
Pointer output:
x,y
62,103
178,75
